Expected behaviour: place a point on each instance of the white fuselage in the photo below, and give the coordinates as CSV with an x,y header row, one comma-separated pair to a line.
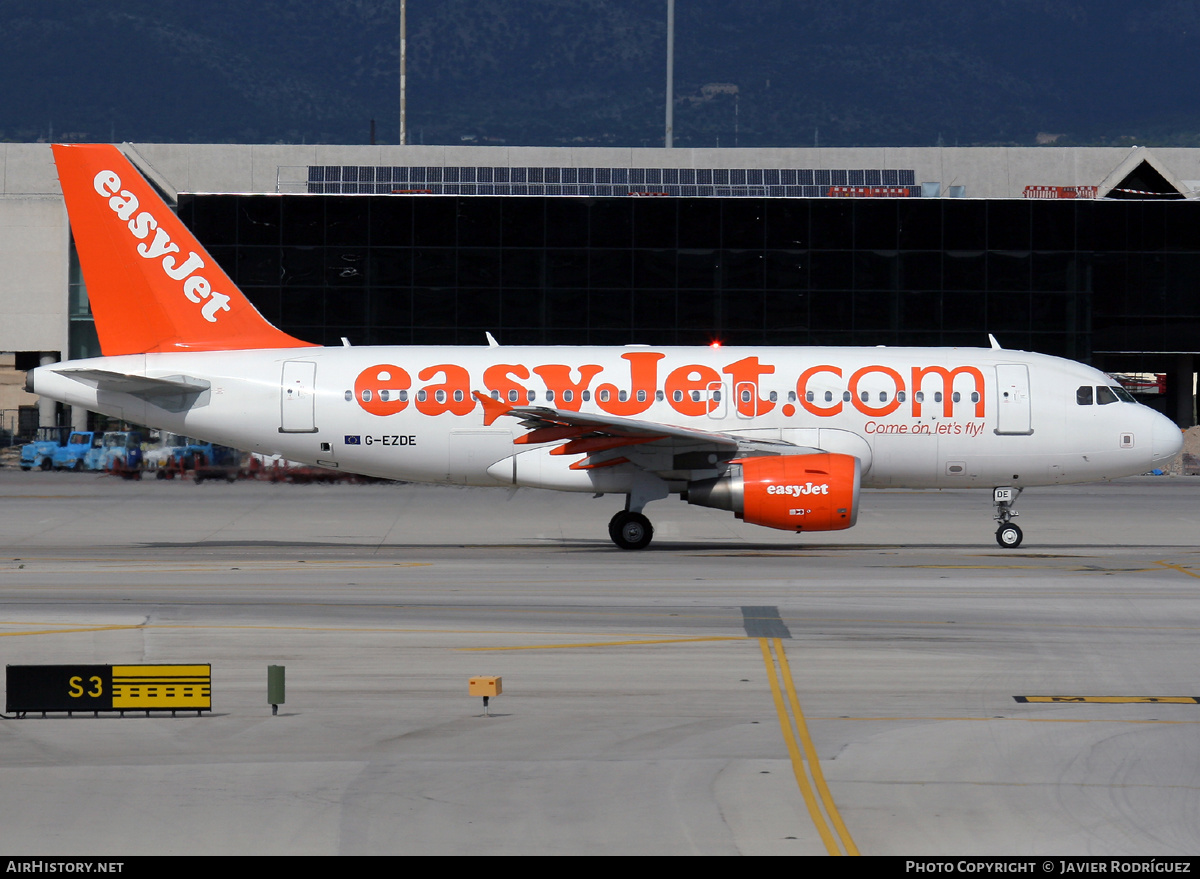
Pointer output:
x,y
915,417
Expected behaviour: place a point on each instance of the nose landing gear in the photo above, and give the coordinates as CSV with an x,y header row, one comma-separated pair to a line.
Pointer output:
x,y
1008,535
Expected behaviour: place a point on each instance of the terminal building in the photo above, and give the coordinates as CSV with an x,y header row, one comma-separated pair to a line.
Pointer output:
x,y
1087,253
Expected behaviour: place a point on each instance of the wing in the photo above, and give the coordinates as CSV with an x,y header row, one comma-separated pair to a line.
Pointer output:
x,y
664,449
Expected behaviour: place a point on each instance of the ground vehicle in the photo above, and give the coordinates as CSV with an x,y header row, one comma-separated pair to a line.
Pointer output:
x,y
780,437
73,455
118,451
39,454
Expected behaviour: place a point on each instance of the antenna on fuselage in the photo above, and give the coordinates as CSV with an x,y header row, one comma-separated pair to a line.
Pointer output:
x,y
995,344
492,343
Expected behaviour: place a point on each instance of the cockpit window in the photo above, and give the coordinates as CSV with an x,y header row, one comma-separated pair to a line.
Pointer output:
x,y
1123,395
1105,395
1083,395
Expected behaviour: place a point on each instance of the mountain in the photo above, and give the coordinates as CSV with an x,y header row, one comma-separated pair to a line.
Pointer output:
x,y
555,72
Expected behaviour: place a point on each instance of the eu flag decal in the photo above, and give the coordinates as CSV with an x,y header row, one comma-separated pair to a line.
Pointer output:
x,y
353,440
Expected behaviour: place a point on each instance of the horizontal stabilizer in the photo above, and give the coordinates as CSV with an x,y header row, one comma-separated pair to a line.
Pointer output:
x,y
174,393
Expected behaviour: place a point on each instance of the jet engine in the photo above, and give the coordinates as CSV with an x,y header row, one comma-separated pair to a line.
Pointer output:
x,y
816,492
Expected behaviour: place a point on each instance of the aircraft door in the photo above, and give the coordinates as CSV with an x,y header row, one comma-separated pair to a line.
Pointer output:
x,y
715,397
297,397
745,399
1012,399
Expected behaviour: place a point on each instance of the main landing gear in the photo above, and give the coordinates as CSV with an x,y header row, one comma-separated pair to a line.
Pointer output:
x,y
630,530
1008,535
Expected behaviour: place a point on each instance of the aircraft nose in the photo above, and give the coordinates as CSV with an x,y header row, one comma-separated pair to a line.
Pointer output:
x,y
1166,440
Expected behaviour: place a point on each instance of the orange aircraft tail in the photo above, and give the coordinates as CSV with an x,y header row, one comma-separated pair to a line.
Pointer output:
x,y
151,285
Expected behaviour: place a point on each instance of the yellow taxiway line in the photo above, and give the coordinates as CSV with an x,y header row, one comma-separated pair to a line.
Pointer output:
x,y
793,728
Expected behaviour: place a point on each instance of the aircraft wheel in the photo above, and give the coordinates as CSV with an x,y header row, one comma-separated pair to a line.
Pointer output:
x,y
1009,536
630,530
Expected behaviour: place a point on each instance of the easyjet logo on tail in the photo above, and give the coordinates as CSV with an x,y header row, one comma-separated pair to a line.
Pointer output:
x,y
141,224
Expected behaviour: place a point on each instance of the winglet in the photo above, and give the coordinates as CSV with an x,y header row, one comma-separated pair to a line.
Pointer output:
x,y
151,285
492,409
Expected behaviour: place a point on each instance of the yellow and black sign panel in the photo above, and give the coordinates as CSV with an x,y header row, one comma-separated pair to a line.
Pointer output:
x,y
1148,700
158,687
108,688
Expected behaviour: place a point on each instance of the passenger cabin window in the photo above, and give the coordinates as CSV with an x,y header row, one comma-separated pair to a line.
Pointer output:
x,y
1083,396
1105,395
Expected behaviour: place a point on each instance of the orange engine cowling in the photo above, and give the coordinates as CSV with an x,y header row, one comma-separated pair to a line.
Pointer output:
x,y
790,492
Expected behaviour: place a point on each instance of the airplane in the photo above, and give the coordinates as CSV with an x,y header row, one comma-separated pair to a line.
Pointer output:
x,y
781,437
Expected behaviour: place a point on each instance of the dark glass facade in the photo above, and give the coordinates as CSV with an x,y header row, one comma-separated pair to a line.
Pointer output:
x,y
1079,278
